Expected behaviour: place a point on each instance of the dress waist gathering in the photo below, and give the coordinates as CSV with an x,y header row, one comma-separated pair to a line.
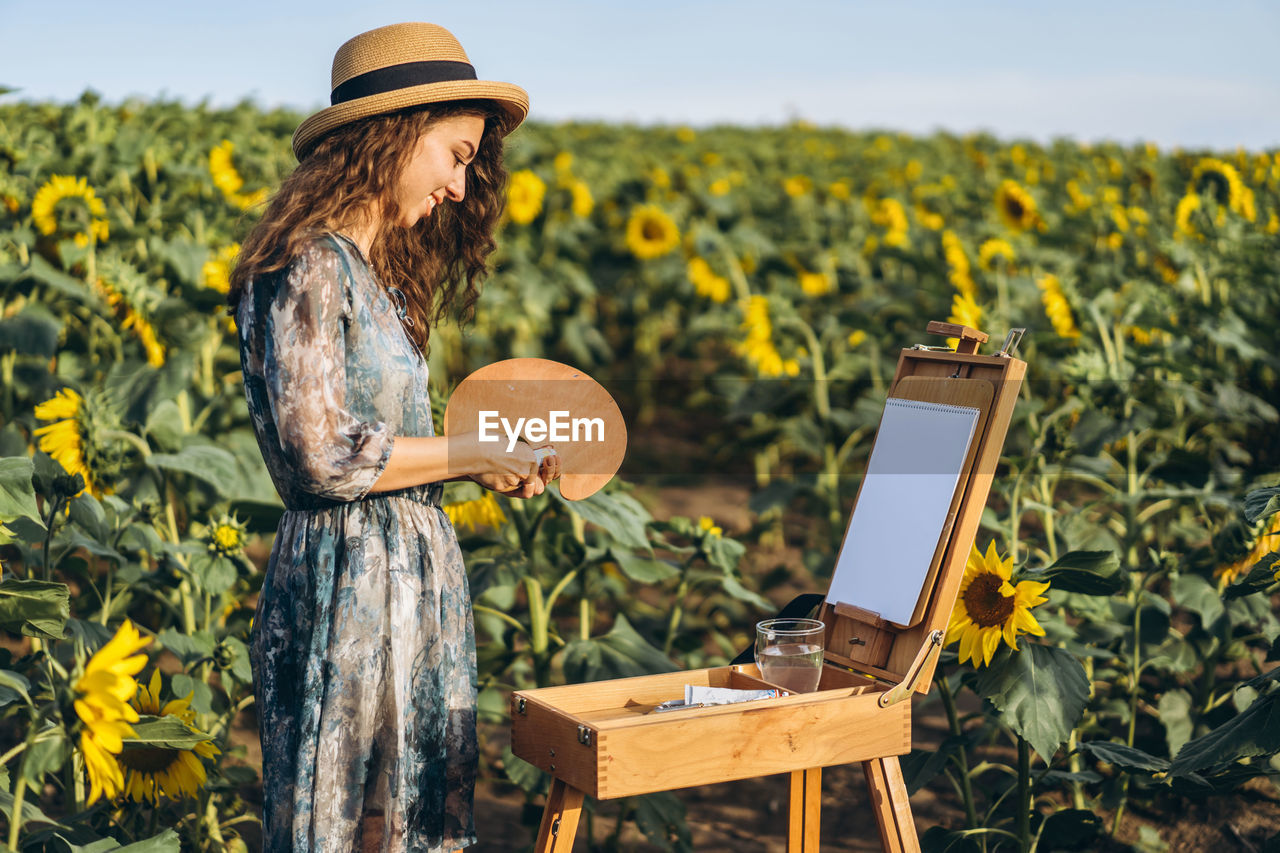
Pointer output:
x,y
429,494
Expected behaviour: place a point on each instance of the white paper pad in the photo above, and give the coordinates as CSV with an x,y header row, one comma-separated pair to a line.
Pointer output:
x,y
903,507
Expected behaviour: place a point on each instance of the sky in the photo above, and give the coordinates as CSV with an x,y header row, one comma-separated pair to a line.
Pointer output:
x,y
1175,73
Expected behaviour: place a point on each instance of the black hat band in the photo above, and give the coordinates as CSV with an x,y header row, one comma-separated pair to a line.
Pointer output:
x,y
401,76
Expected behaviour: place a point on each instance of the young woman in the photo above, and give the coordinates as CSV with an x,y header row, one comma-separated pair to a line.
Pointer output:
x,y
362,646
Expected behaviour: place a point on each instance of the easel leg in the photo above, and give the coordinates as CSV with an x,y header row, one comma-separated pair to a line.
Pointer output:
x,y
559,819
893,809
806,811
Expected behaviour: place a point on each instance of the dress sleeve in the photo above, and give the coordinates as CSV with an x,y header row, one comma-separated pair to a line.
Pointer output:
x,y
331,452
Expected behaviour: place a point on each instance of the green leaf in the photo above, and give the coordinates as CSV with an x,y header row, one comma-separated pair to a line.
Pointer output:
x,y
166,842
213,465
620,653
1039,691
201,694
235,657
1255,732
734,587
1199,596
88,513
1087,572
33,331
1262,503
643,569
164,425
213,572
17,494
34,608
724,554
167,732
47,755
661,817
31,813
188,647
12,686
1175,715
1125,757
524,775
45,273
1068,829
619,517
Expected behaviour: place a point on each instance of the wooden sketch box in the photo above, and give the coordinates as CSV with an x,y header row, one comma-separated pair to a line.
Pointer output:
x,y
605,740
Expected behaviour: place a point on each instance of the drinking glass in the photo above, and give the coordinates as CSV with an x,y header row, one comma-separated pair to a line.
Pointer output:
x,y
789,653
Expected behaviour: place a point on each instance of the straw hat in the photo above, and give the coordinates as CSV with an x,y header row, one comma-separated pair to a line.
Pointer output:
x,y
399,66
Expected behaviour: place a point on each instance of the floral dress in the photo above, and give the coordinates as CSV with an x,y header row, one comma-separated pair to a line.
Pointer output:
x,y
362,646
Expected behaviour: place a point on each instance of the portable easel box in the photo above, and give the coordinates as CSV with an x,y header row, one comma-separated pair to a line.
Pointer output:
x,y
602,740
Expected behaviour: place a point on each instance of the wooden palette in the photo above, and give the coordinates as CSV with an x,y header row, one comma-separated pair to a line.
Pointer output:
x,y
593,430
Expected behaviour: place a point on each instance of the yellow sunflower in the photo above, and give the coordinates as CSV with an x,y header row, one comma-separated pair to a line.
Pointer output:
x,y
816,283
651,233
226,536
216,272
889,213
1268,540
992,249
989,607
147,335
1183,226
228,180
1056,307
1080,201
583,203
89,219
1016,206
798,185
706,282
958,265
1221,181
481,512
66,439
524,197
154,770
138,320
103,692
965,311
758,347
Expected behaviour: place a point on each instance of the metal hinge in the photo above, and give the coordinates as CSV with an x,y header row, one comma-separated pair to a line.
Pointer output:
x,y
584,735
520,705
928,653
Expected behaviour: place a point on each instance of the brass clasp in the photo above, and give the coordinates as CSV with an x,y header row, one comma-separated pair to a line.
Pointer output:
x,y
927,655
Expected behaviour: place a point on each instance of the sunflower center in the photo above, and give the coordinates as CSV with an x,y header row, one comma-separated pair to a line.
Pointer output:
x,y
984,602
653,231
1015,208
149,759
1217,185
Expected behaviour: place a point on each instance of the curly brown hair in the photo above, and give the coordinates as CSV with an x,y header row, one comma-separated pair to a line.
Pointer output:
x,y
358,165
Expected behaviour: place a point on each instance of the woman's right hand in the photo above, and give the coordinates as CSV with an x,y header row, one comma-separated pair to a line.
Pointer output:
x,y
514,474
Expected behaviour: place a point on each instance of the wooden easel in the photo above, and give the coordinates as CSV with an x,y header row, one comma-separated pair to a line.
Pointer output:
x,y
600,739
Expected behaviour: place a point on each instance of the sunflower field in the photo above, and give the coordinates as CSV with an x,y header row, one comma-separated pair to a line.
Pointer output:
x,y
1111,661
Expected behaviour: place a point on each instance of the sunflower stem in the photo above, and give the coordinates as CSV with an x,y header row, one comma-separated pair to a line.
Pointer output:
x,y
123,435
962,756
54,514
1024,794
677,613
20,791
